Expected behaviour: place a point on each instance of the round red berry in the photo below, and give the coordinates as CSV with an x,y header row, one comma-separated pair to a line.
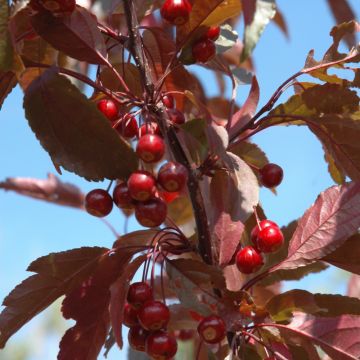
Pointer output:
x,y
137,338
204,50
130,316
270,239
108,108
150,148
176,12
212,329
271,175
168,101
176,116
151,213
121,196
128,126
212,33
173,176
161,345
150,127
138,294
255,231
141,185
98,203
154,315
248,260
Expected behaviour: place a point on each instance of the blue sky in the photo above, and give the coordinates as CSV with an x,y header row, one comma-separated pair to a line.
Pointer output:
x,y
29,229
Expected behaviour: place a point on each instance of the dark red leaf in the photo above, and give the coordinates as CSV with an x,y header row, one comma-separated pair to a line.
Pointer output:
x,y
354,286
51,190
118,292
57,274
7,83
325,226
75,139
77,35
242,118
347,255
343,12
337,336
280,21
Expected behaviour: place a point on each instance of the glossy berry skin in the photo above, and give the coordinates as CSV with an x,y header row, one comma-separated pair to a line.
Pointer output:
x,y
151,213
213,33
149,128
271,175
141,185
262,224
212,329
168,101
138,294
57,7
270,239
98,203
176,12
137,338
128,126
172,176
108,108
203,50
121,196
176,116
248,260
130,316
154,315
168,197
150,148
161,345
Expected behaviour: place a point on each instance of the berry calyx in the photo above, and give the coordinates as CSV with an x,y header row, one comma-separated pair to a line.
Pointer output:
x,y
138,294
150,148
108,108
154,315
151,213
141,185
203,50
161,345
248,260
212,33
271,175
98,203
130,316
149,127
176,116
270,239
176,12
262,224
137,338
121,196
173,176
128,126
168,101
212,329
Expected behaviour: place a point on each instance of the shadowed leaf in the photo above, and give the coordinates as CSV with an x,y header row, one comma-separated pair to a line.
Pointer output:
x,y
7,83
6,50
81,141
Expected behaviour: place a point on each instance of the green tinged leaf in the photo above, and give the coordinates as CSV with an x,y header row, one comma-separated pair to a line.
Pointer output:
x,y
74,133
281,307
6,50
7,83
250,153
265,11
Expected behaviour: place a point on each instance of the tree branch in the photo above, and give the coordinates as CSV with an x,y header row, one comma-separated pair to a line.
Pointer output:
x,y
135,47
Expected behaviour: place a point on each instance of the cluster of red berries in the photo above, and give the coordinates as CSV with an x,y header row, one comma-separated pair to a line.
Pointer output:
x,y
149,196
56,7
267,238
177,12
147,320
